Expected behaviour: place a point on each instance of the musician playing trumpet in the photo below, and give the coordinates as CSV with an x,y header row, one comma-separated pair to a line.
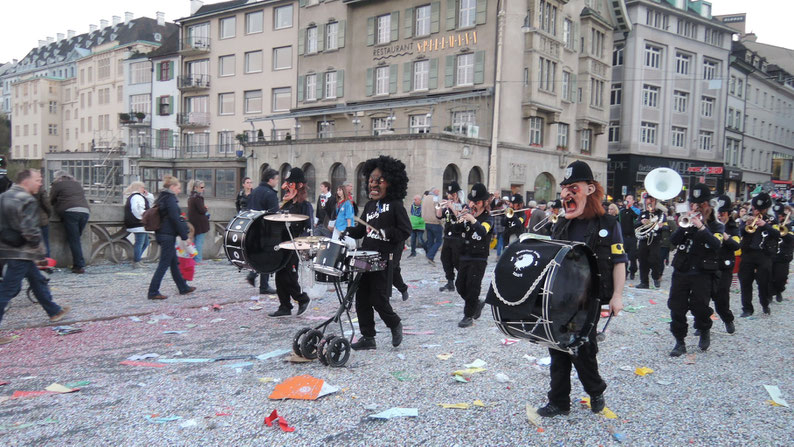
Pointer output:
x,y
784,251
727,260
648,232
514,225
450,251
759,243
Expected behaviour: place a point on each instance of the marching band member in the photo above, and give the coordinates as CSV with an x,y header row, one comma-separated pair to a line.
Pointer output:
x,y
475,229
287,286
759,243
727,259
555,208
450,251
783,254
694,266
514,226
586,221
388,185
649,252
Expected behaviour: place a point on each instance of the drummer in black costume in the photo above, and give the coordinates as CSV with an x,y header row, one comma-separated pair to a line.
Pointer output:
x,y
758,247
475,228
586,221
287,286
450,251
721,294
388,184
784,253
649,251
514,226
695,267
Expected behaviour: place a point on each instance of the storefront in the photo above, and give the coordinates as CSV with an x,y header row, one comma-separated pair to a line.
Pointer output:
x,y
626,173
732,179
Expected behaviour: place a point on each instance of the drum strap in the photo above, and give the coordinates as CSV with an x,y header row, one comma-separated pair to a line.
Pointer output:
x,y
526,296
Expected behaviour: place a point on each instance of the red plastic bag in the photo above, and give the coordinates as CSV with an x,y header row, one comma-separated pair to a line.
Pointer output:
x,y
187,266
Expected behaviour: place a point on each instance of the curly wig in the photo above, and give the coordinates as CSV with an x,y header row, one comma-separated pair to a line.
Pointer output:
x,y
393,171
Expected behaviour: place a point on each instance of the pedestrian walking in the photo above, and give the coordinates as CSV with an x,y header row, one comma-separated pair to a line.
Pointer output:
x,y
433,228
417,226
241,203
198,215
137,201
264,198
326,208
68,199
344,213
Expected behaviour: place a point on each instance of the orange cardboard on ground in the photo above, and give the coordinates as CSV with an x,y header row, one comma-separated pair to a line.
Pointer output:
x,y
299,387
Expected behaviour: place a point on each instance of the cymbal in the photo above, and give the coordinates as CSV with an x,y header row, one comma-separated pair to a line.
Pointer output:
x,y
289,245
286,217
312,239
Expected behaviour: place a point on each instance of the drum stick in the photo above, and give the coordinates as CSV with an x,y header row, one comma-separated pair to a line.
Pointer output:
x,y
361,221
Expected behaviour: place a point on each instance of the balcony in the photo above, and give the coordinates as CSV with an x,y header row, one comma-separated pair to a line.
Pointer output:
x,y
193,151
194,45
193,82
193,119
133,119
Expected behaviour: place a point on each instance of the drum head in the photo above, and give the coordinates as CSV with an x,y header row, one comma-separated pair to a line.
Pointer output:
x,y
256,239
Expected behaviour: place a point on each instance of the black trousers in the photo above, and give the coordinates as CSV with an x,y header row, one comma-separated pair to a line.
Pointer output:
x,y
373,295
469,283
630,245
450,257
756,265
586,364
264,281
650,259
689,292
287,284
397,277
777,284
722,295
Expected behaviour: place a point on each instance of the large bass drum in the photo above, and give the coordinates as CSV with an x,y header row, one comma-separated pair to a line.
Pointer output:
x,y
251,242
546,292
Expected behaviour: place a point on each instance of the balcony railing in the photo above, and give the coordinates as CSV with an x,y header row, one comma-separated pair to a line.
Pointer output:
x,y
131,120
193,119
188,151
194,82
195,45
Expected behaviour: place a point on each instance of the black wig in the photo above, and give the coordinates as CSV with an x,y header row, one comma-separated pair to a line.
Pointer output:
x,y
393,171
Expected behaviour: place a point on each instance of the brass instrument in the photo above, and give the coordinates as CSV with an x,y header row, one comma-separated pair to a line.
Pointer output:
x,y
644,230
784,226
753,225
553,218
686,220
442,204
509,212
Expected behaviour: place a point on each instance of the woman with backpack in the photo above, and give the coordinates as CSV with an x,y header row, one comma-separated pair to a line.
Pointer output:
x,y
137,201
171,225
198,214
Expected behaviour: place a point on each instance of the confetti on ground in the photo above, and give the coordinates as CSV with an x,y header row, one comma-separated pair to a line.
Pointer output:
x,y
402,376
22,426
161,419
418,332
396,413
273,354
532,416
444,356
479,363
144,364
509,341
643,371
776,395
461,406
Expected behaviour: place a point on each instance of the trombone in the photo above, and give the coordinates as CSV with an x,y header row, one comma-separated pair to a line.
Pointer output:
x,y
509,212
783,228
753,225
553,218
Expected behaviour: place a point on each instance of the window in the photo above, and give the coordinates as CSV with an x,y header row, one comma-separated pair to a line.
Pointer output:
x,y
739,122
467,13
254,22
650,95
384,29
656,19
461,121
614,131
311,87
596,93
687,29
535,131
166,72
653,56
330,85
680,101
465,71
252,101
380,124
140,73
682,62
103,68
617,55
739,88
648,132
597,43
282,17
585,140
713,37
282,58
282,99
226,65
421,75
616,94
419,123
325,129
140,103
227,26
226,104
678,136
253,61
730,118
422,25
567,34
707,107
547,73
225,141
709,70
706,138
382,81
562,135
566,86
311,40
548,17
164,105
331,36
52,129
53,107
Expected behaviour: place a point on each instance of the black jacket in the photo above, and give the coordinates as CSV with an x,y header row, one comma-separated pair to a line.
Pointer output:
x,y
655,236
242,201
727,251
263,198
171,222
513,225
785,248
388,216
476,237
628,222
299,228
764,240
697,249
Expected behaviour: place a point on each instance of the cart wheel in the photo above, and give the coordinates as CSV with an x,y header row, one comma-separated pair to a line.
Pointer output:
x,y
322,347
309,344
337,353
296,340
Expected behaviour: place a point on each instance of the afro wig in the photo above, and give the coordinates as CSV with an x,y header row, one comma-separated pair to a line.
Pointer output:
x,y
393,171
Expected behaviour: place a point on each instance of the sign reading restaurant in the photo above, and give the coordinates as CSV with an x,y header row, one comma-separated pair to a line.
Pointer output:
x,y
458,40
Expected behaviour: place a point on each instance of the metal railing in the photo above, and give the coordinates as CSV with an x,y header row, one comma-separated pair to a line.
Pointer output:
x,y
193,82
193,119
195,44
187,151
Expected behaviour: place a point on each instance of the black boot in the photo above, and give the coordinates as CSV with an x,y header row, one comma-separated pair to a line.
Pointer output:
x,y
779,298
397,335
705,340
597,403
730,327
448,287
679,349
745,314
767,310
551,410
642,285
364,343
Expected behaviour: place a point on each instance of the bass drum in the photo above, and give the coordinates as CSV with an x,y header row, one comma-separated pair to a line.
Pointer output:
x,y
250,242
546,292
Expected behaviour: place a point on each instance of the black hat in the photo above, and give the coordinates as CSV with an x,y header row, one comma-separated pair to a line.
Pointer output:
x,y
555,204
517,198
724,204
762,201
453,187
780,206
295,175
478,192
699,193
577,171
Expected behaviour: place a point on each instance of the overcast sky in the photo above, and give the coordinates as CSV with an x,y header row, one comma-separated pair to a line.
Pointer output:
x,y
22,25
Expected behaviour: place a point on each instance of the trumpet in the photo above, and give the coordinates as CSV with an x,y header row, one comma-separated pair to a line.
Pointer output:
x,y
442,204
686,220
463,213
509,212
553,218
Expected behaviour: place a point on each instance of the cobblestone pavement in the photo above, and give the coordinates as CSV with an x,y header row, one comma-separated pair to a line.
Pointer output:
x,y
707,399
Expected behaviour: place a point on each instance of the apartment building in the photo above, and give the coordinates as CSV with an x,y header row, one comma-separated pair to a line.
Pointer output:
x,y
422,81
668,94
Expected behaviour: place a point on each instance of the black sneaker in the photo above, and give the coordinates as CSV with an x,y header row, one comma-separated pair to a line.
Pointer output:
x,y
745,314
642,285
730,327
304,304
251,280
397,335
405,295
478,311
697,332
679,349
280,312
705,340
412,255
465,322
779,298
767,310
551,410
597,403
267,291
657,283
631,276
364,343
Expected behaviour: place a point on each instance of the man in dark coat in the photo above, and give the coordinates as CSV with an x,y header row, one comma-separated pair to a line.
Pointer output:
x,y
264,198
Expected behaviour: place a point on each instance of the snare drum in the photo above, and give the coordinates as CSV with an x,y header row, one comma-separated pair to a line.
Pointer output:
x,y
250,242
546,292
366,261
330,259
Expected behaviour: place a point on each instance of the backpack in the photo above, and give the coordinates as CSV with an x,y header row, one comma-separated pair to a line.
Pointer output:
x,y
151,219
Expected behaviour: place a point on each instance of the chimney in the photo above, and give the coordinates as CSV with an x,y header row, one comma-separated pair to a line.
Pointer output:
x,y
195,5
160,18
103,24
116,20
50,39
60,36
14,61
42,43
91,28
70,33
127,17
